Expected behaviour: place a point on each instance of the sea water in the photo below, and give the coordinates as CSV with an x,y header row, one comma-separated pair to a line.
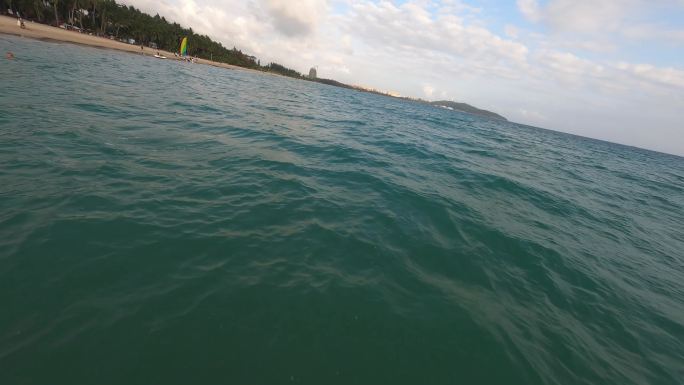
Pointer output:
x,y
169,223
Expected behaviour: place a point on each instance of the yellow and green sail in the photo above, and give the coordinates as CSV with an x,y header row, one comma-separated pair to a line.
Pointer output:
x,y
184,47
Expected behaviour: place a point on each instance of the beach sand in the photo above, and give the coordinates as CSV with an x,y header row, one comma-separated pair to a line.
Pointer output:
x,y
8,25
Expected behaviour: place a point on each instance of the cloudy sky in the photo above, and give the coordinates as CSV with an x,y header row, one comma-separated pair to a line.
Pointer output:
x,y
607,69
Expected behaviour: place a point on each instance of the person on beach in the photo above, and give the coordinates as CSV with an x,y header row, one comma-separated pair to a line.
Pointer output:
x,y
141,49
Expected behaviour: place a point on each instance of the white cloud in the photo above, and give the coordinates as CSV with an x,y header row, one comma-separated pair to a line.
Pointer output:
x,y
347,45
409,29
530,9
597,46
604,17
587,15
654,32
296,18
534,116
512,31
668,77
428,90
578,15
565,63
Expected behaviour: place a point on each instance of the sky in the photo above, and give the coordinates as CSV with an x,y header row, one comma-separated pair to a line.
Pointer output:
x,y
606,69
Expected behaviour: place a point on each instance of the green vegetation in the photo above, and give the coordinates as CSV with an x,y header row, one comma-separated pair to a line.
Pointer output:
x,y
275,67
108,19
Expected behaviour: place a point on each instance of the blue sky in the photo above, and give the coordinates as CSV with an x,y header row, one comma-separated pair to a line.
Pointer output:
x,y
608,69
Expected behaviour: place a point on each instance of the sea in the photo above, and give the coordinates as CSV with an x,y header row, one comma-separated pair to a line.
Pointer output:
x,y
173,223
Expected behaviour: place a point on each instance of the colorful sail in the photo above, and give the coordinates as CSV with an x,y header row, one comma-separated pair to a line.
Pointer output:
x,y
184,47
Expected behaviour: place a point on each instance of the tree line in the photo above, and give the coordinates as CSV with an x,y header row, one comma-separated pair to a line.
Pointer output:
x,y
108,19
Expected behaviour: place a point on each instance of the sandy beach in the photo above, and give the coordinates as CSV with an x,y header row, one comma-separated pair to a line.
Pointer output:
x,y
8,25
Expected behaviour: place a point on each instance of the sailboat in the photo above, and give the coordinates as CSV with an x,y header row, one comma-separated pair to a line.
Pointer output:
x,y
184,47
184,50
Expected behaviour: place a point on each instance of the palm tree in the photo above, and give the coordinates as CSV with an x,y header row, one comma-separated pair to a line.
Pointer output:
x,y
54,5
72,12
39,8
95,5
106,7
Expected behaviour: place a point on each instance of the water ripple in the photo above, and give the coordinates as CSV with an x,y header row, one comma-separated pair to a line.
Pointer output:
x,y
168,223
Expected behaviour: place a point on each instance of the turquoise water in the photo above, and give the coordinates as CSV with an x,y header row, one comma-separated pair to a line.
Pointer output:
x,y
169,223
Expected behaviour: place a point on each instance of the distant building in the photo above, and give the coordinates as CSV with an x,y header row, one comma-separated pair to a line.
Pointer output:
x,y
312,73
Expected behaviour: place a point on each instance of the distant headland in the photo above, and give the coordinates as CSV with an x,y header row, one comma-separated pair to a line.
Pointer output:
x,y
467,108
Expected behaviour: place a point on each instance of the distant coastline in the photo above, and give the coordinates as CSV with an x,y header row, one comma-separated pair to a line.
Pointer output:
x,y
40,31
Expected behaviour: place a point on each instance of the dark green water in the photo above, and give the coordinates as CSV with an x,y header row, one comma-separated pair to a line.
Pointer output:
x,y
167,223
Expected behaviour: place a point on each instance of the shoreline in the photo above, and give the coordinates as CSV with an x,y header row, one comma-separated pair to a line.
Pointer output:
x,y
38,31
44,32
